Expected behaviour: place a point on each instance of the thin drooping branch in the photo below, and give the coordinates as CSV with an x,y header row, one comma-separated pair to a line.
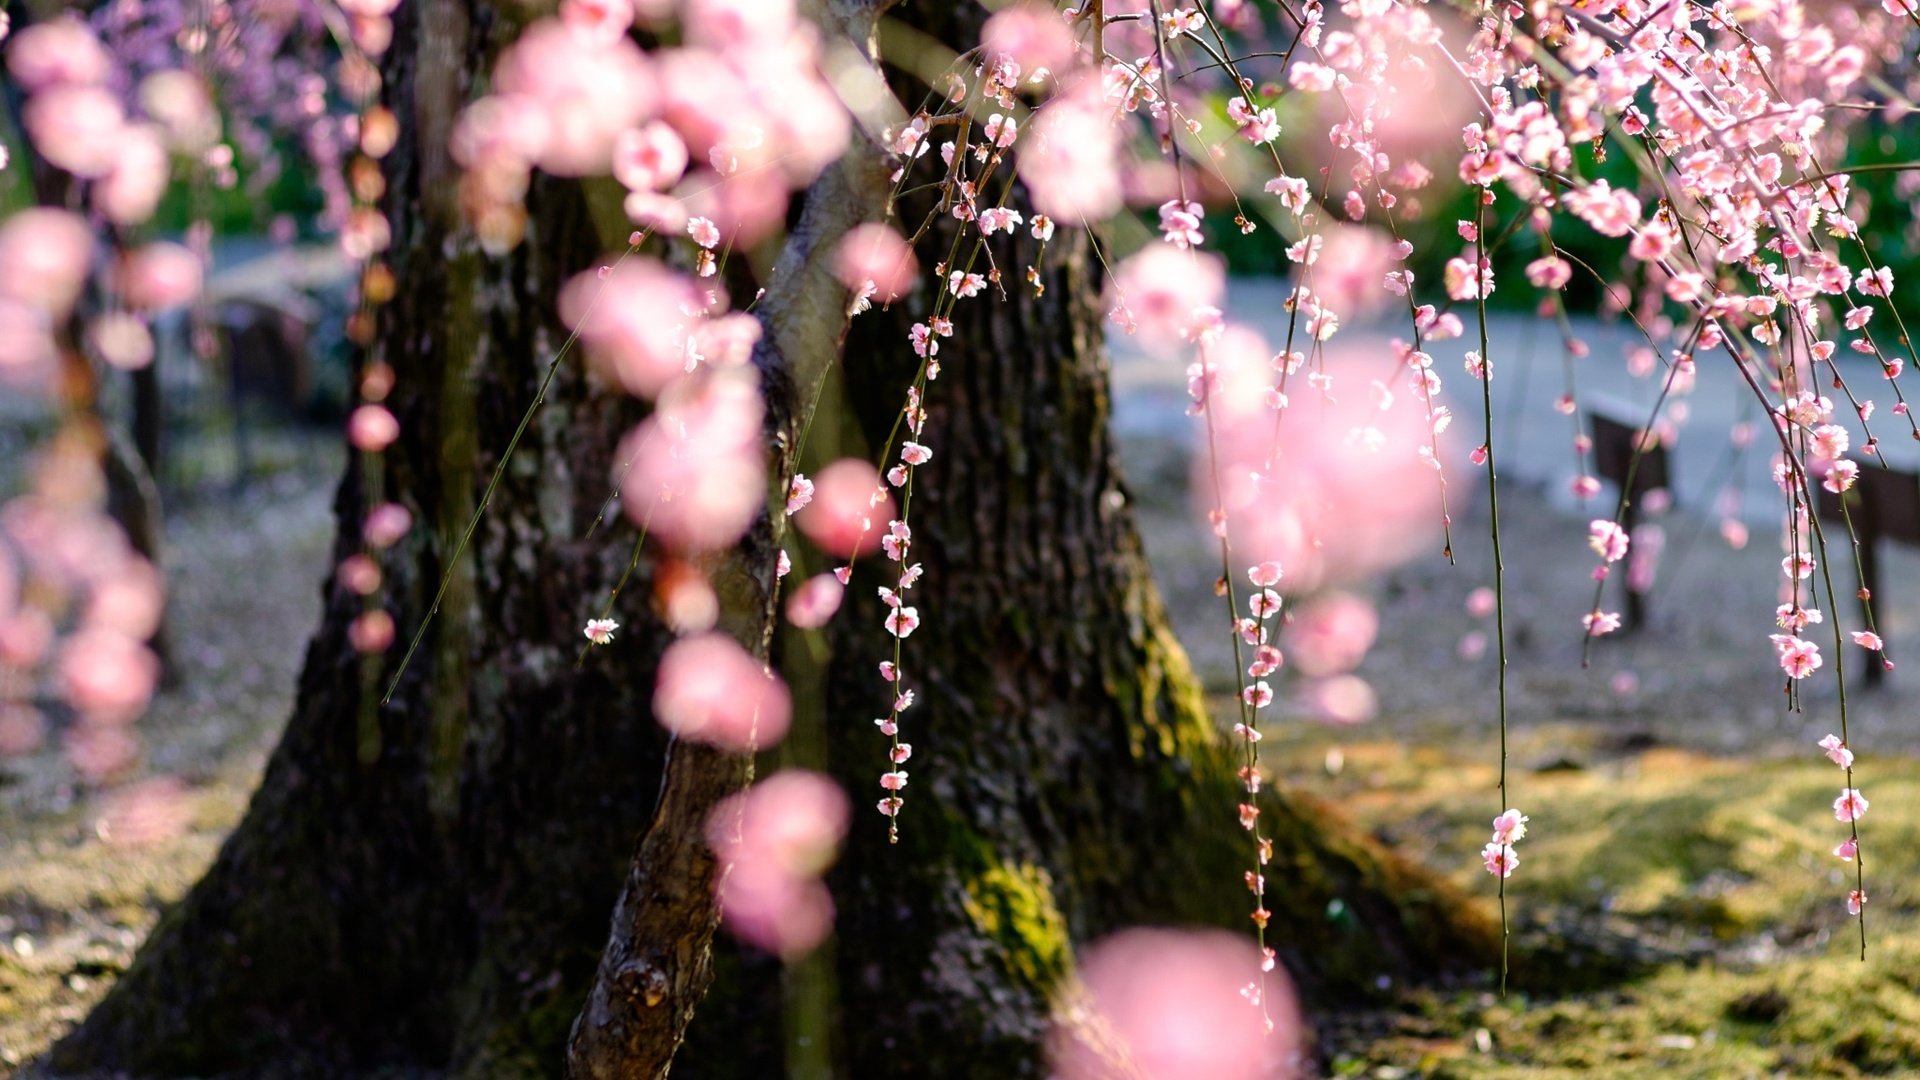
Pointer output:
x,y
657,964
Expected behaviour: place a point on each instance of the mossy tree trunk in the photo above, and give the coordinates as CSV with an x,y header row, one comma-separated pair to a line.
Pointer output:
x,y
1066,778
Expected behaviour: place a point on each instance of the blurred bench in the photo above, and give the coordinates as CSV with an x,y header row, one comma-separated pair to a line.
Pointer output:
x,y
1614,442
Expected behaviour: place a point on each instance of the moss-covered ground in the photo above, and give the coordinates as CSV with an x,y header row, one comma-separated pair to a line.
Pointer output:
x,y
1674,914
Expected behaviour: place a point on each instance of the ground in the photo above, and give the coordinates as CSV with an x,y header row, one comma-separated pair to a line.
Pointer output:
x,y
1677,911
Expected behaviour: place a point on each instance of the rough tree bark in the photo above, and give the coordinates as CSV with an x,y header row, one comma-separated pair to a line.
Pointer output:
x,y
426,885
1067,779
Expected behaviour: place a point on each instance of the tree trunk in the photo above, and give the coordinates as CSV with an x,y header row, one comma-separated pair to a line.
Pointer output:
x,y
426,882
1066,778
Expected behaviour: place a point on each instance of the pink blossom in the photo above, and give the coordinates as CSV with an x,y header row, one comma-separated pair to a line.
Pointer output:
x,y
1499,859
600,21
841,518
131,190
1798,658
1032,34
1856,901
585,91
1600,623
77,128
815,601
902,621
1481,602
649,158
1175,1005
600,631
1509,827
1837,751
1847,851
43,258
1070,159
710,690
371,632
799,494
1180,223
60,51
371,428
160,275
876,254
1610,212
1869,640
128,600
636,321
1162,288
699,465
1850,806
106,675
1331,633
386,524
704,233
1607,539
774,841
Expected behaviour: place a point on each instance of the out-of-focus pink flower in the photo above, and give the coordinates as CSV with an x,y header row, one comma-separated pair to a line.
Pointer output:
x,y
1033,34
1347,487
774,840
179,103
1164,289
1070,159
588,90
710,690
1174,1005
842,519
637,321
76,128
107,675
386,524
1480,602
1850,806
815,601
649,158
699,465
160,275
132,188
43,258
1339,699
600,631
875,253
128,601
1331,634
371,632
121,339
61,51
601,21
371,428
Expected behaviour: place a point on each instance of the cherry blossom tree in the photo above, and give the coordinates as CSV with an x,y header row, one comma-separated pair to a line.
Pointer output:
x,y
721,303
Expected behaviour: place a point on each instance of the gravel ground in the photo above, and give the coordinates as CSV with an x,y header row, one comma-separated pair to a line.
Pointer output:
x,y
84,871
